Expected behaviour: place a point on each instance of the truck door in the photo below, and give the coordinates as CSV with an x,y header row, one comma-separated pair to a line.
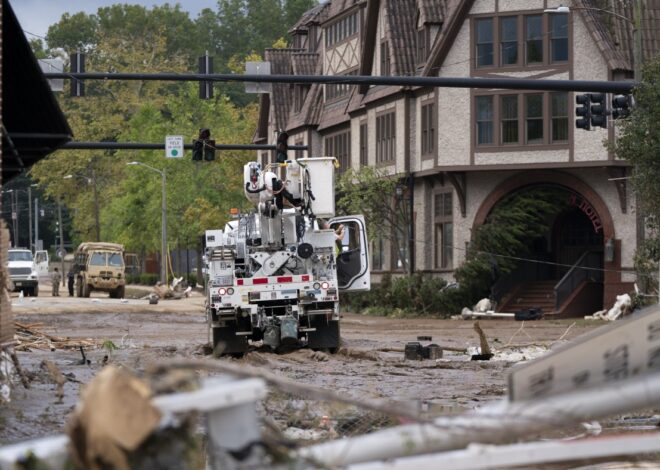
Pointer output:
x,y
41,263
353,257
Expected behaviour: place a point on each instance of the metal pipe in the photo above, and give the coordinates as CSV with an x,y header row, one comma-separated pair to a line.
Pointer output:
x,y
498,423
441,82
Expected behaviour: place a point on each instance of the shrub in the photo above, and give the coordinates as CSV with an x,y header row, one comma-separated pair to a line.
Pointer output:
x,y
148,279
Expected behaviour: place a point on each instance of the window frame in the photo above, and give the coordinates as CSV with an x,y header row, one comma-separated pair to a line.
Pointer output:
x,y
498,145
364,144
386,137
521,36
339,91
385,59
443,252
338,145
492,42
342,29
492,121
428,129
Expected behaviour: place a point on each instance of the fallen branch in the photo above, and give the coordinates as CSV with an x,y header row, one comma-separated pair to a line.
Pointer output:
x,y
485,349
286,385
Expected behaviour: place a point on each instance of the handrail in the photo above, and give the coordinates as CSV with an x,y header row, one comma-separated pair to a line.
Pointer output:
x,y
578,273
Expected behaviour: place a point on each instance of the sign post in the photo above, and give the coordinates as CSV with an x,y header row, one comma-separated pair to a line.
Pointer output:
x,y
174,146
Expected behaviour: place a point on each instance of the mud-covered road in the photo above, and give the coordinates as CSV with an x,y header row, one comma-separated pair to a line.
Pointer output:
x,y
370,363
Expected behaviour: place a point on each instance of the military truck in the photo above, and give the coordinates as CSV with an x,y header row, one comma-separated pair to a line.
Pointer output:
x,y
99,266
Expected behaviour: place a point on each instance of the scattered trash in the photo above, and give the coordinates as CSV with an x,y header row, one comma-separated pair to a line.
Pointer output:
x,y
622,306
483,306
414,351
175,291
56,376
467,314
153,299
28,336
534,313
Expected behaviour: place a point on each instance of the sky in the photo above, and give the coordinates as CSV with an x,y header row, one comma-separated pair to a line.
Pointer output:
x,y
35,16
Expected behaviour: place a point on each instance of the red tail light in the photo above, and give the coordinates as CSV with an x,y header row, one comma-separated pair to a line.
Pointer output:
x,y
305,278
260,280
239,282
285,279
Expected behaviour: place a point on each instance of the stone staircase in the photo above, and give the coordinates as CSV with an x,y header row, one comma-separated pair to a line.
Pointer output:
x,y
537,294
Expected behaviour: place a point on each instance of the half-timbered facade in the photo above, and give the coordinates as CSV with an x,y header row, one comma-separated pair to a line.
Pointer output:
x,y
461,151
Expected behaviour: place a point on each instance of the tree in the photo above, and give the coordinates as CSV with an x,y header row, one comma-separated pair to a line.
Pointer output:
x,y
74,32
373,193
293,10
639,142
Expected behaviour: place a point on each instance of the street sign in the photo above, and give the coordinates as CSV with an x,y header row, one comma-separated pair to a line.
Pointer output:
x,y
53,66
622,350
258,68
174,146
61,252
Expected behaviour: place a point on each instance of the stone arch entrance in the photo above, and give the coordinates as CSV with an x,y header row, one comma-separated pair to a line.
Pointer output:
x,y
585,225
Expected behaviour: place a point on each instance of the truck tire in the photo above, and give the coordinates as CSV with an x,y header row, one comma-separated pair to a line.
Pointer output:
x,y
326,335
35,291
79,288
86,290
225,342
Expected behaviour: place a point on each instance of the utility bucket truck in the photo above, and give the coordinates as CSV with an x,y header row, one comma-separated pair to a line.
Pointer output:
x,y
275,274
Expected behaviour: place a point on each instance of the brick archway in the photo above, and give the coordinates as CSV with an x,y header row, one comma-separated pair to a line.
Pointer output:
x,y
612,276
547,177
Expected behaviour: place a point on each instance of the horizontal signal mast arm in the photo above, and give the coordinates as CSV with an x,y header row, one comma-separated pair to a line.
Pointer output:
x,y
620,87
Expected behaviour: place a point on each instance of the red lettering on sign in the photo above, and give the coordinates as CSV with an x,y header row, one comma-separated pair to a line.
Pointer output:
x,y
589,211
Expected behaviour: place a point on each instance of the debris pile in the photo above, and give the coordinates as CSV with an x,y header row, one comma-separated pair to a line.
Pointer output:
x,y
29,336
622,307
173,291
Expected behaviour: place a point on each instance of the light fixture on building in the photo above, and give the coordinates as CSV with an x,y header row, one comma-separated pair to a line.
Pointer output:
x,y
399,191
609,251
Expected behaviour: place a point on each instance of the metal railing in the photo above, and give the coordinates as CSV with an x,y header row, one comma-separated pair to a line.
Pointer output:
x,y
587,267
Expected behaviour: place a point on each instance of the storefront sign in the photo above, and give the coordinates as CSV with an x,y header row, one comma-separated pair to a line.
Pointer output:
x,y
589,211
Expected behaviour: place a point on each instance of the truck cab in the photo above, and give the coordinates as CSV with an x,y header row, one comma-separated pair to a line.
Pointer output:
x,y
100,266
23,271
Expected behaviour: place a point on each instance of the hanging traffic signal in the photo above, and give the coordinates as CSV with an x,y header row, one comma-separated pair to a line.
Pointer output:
x,y
583,111
77,66
598,110
621,105
282,147
203,146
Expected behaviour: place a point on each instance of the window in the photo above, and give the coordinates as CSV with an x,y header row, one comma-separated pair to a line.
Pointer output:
x,y
521,40
115,260
534,39
338,90
444,231
484,120
534,118
484,49
364,145
344,28
98,259
509,40
509,121
422,45
339,146
377,253
559,115
385,137
428,129
384,59
521,119
559,38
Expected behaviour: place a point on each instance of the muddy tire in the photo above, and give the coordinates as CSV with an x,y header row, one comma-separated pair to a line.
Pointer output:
x,y
86,290
226,343
79,288
35,291
326,336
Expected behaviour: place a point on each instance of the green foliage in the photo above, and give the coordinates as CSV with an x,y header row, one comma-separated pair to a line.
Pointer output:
x,y
372,193
639,142
512,226
417,295
109,346
147,279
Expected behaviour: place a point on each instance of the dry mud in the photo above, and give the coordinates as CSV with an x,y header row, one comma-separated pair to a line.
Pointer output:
x,y
370,363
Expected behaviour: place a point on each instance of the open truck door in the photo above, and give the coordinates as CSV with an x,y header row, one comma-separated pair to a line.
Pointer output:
x,y
41,264
353,258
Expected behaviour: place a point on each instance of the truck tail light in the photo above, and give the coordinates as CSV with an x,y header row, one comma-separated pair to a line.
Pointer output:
x,y
305,278
239,282
324,285
285,279
222,291
260,280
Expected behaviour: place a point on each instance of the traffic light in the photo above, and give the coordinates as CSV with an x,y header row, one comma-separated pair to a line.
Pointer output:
x,y
206,68
621,105
598,110
203,147
282,147
583,111
77,66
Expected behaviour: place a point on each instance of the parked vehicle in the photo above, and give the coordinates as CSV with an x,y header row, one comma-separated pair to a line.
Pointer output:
x,y
23,271
99,266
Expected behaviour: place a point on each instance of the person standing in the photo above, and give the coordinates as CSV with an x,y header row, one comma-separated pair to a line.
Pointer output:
x,y
56,278
70,280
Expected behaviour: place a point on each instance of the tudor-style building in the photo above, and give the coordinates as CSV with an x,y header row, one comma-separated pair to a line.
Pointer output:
x,y
463,150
